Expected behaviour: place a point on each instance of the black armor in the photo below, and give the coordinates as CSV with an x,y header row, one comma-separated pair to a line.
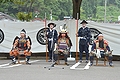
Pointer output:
x,y
22,43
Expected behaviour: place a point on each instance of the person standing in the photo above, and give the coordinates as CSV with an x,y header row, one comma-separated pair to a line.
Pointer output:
x,y
52,39
85,35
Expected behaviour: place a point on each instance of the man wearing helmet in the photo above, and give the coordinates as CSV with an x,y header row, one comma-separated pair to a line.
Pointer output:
x,y
21,46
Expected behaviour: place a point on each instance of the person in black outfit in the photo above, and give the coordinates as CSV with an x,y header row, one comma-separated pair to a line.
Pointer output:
x,y
85,35
52,39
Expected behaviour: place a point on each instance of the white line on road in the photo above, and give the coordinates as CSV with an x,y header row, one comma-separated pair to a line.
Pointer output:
x,y
4,65
75,65
15,65
78,63
87,66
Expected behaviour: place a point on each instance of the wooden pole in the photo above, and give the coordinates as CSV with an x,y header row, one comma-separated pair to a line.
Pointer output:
x,y
77,39
105,11
46,39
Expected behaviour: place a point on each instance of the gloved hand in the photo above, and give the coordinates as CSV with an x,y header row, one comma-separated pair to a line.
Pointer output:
x,y
92,52
109,52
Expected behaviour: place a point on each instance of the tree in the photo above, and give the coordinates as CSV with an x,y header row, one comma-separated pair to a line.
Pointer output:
x,y
76,8
118,3
90,8
24,16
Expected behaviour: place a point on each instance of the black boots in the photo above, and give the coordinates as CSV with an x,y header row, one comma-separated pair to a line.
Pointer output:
x,y
27,60
13,59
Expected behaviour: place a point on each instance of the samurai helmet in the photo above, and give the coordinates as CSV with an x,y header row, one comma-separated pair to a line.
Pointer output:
x,y
63,29
23,31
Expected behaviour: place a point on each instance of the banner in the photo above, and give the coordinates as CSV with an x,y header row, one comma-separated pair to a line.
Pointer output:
x,y
9,30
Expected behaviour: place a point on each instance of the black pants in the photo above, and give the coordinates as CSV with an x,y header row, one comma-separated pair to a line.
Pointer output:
x,y
50,49
83,48
65,57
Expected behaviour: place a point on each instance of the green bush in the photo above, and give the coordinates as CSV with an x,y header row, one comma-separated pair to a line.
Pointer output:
x,y
24,16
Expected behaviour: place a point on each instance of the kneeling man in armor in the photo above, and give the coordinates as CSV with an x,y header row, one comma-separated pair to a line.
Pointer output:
x,y
101,49
21,46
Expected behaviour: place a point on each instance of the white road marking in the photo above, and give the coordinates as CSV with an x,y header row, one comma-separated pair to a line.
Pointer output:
x,y
75,65
78,63
87,66
4,65
34,61
15,65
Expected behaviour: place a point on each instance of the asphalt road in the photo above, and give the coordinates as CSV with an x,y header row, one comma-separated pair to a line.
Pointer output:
x,y
36,71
